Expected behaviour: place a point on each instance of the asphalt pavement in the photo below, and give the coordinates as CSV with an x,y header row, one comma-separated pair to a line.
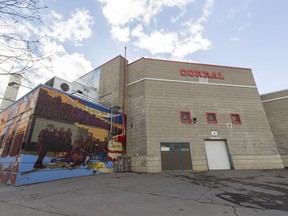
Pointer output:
x,y
236,193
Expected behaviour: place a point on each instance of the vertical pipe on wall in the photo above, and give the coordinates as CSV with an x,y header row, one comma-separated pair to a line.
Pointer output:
x,y
111,119
124,104
124,85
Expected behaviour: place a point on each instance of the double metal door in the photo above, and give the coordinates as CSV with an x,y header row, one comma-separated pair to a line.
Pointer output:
x,y
175,156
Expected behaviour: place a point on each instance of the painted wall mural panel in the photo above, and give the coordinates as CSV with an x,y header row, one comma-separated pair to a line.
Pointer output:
x,y
50,135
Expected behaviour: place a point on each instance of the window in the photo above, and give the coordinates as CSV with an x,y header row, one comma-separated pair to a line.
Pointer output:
x,y
211,118
185,117
235,118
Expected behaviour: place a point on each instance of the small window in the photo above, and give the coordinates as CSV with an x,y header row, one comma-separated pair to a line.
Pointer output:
x,y
235,118
211,118
185,117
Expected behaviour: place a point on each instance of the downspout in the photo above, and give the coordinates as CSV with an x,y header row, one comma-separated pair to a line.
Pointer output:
x,y
124,103
124,86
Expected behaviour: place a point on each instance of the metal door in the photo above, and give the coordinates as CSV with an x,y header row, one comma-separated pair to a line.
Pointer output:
x,y
217,155
165,156
175,156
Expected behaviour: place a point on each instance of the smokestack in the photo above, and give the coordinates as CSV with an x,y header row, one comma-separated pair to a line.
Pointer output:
x,y
11,91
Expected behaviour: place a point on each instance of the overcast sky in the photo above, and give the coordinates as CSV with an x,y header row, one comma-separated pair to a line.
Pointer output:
x,y
83,34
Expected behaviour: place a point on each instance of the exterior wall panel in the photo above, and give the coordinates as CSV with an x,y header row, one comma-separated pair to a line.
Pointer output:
x,y
275,105
136,127
111,82
166,94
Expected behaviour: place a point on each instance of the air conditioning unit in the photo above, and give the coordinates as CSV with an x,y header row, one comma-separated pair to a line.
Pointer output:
x,y
75,88
60,84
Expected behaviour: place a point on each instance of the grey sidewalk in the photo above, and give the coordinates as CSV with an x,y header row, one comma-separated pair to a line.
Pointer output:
x,y
253,192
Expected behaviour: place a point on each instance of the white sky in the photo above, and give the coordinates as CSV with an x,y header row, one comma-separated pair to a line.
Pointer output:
x,y
82,35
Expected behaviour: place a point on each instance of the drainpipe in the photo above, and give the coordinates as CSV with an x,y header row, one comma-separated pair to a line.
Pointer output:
x,y
124,103
124,86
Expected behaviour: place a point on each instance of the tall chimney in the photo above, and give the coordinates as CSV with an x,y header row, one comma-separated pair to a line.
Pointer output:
x,y
11,91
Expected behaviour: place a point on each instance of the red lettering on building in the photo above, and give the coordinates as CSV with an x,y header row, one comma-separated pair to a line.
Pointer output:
x,y
183,72
214,75
191,73
200,73
206,74
220,75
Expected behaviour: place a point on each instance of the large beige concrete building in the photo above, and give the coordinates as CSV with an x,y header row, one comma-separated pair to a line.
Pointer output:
x,y
276,107
183,115
178,116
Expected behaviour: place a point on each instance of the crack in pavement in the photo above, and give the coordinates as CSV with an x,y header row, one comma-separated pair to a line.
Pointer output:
x,y
32,208
257,197
210,202
234,210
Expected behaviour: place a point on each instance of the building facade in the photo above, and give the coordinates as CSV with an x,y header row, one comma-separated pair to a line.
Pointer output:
x,y
165,115
183,115
276,106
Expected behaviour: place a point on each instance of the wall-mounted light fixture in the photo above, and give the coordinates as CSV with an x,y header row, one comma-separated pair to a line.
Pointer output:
x,y
194,120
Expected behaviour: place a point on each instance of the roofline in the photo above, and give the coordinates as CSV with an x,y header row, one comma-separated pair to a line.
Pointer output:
x,y
136,61
189,63
102,65
72,95
274,92
111,60
59,91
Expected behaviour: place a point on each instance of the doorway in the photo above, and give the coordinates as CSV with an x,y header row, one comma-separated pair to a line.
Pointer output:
x,y
217,155
175,156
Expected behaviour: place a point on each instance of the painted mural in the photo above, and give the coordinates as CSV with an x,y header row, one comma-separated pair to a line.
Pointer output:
x,y
50,135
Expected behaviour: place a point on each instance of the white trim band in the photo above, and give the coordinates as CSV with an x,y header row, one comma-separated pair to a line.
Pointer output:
x,y
190,82
274,99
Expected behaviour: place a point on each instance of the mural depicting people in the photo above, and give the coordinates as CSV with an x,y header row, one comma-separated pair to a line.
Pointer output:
x,y
46,130
6,173
78,155
14,170
68,137
45,138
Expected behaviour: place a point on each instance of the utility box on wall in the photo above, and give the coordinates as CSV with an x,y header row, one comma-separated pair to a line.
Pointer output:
x,y
124,164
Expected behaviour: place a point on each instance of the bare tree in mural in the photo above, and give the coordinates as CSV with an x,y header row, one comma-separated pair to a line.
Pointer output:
x,y
19,50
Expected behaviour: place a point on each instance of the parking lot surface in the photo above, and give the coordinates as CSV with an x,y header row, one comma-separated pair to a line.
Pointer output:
x,y
236,193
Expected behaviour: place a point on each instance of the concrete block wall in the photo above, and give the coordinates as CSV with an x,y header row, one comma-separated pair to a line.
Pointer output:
x,y
276,106
139,164
252,137
164,93
258,162
170,70
136,128
111,82
136,118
